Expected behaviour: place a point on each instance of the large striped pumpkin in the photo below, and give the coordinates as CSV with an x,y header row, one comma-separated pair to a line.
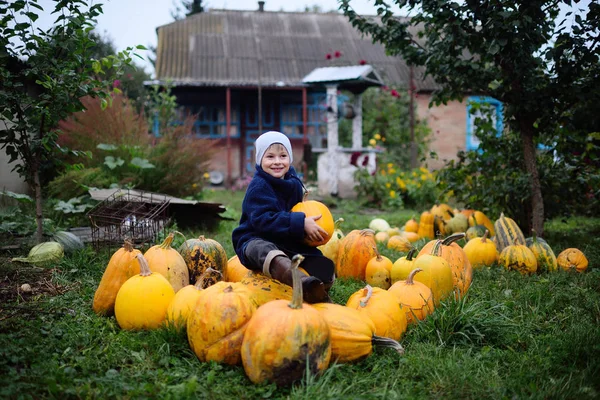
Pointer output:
x,y
202,253
518,257
355,251
507,233
546,260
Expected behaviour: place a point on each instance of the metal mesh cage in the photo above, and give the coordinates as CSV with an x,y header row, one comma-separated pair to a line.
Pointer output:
x,y
133,214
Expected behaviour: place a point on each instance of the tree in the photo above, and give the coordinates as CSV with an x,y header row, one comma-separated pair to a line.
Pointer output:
x,y
187,8
513,51
44,74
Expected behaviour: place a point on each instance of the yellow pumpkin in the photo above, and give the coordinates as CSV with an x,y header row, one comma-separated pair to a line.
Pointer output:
x,y
377,272
167,261
518,257
382,237
462,272
442,210
382,308
263,289
436,272
411,226
355,251
123,265
330,249
403,266
235,270
284,338
415,298
216,328
352,333
185,300
399,243
572,259
481,252
143,299
426,225
507,233
312,208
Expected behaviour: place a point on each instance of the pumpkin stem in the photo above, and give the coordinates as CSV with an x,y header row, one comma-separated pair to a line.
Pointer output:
x,y
144,267
485,236
369,292
367,232
377,254
436,250
297,294
411,253
208,278
166,244
411,276
337,223
305,196
453,238
128,245
534,235
387,342
180,234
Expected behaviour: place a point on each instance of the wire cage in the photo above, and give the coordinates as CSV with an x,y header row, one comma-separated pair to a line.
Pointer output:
x,y
136,215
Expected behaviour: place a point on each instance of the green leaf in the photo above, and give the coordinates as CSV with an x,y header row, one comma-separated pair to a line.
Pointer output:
x,y
141,163
113,163
107,147
22,198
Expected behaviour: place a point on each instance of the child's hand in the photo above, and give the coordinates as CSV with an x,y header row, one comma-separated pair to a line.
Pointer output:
x,y
313,231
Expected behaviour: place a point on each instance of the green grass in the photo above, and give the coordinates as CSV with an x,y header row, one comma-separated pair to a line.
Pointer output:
x,y
511,337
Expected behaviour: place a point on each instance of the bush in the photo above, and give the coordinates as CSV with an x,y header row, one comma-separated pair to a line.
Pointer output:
x,y
391,187
124,153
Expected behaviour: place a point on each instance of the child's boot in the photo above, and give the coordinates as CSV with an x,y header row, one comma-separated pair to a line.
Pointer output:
x,y
312,288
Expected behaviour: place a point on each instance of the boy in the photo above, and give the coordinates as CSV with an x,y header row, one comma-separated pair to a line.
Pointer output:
x,y
269,234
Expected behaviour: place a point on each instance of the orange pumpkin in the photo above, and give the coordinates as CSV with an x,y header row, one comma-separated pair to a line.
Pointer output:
x,y
411,226
462,271
426,225
286,341
216,327
123,265
415,298
312,208
399,243
167,261
572,259
355,251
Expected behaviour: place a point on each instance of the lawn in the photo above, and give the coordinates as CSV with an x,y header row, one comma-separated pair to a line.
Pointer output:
x,y
511,337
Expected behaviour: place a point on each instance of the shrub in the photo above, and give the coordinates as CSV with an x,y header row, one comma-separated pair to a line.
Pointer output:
x,y
124,153
391,187
76,182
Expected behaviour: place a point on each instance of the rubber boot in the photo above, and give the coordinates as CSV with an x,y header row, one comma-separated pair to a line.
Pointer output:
x,y
312,288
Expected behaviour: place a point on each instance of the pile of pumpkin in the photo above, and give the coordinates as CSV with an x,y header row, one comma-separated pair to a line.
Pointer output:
x,y
486,242
234,315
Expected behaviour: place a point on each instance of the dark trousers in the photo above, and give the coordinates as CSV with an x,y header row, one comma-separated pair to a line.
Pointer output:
x,y
259,253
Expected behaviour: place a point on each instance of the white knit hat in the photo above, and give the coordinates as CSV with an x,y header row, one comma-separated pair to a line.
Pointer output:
x,y
268,138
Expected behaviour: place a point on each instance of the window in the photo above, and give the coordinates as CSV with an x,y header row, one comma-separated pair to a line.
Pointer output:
x,y
480,109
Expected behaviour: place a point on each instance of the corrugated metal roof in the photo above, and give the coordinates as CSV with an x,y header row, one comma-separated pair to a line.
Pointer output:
x,y
332,74
245,48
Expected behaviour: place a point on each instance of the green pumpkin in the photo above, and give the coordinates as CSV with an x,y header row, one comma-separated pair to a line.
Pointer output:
x,y
458,223
507,233
546,260
475,231
518,257
202,253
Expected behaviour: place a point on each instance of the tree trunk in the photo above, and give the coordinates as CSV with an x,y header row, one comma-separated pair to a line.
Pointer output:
x,y
537,201
37,188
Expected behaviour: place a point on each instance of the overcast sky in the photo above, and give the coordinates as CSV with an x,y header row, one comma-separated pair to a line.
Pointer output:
x,y
133,22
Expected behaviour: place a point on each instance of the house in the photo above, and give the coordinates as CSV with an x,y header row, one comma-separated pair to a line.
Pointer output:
x,y
245,69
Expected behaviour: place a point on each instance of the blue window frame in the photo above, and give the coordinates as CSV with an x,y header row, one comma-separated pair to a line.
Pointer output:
x,y
473,111
212,122
291,118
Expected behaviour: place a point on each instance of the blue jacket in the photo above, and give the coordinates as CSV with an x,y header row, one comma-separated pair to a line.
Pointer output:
x,y
266,214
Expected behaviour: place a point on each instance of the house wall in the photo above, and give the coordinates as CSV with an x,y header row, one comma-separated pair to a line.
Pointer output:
x,y
448,125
